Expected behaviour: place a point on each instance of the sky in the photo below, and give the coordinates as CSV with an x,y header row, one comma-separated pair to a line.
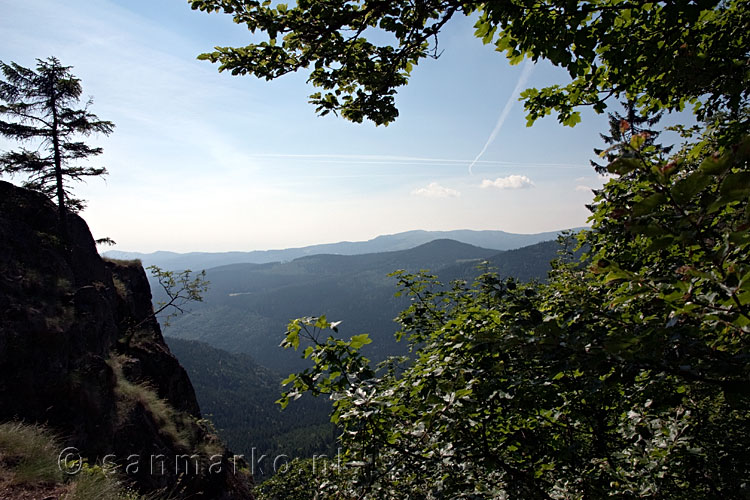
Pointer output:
x,y
203,161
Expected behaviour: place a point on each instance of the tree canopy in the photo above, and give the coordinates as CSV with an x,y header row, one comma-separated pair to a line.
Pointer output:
x,y
666,55
626,375
41,107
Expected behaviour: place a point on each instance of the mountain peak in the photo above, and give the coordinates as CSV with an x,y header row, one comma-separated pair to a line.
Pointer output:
x,y
489,239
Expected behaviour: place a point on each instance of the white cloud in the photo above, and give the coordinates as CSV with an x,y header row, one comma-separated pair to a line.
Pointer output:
x,y
435,190
509,182
581,187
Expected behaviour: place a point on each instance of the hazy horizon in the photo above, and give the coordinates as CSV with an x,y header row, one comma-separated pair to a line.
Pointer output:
x,y
104,249
206,161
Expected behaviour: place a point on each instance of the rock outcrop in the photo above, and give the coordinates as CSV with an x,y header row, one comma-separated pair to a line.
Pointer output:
x,y
81,352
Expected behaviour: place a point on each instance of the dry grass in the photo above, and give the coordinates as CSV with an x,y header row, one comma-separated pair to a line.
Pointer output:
x,y
173,424
124,262
29,453
120,287
183,430
29,470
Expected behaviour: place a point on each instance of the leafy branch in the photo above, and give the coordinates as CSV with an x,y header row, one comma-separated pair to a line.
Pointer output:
x,y
181,289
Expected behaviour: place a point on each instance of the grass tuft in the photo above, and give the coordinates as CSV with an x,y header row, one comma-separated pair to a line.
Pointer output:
x,y
124,262
28,463
120,287
30,453
171,422
94,486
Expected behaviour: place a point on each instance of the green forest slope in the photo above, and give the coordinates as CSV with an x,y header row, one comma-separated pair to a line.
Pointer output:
x,y
248,306
238,395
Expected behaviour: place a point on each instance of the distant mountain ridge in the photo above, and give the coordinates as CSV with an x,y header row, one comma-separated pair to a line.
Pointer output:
x,y
248,306
494,240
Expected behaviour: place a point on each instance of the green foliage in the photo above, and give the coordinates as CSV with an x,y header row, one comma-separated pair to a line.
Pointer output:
x,y
180,288
674,235
297,480
630,135
248,303
40,107
336,362
663,55
625,375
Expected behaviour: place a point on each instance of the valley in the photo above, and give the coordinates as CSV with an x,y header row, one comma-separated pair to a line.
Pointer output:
x,y
229,343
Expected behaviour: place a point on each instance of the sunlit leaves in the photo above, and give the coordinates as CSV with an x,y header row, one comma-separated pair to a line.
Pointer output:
x,y
358,341
670,54
623,376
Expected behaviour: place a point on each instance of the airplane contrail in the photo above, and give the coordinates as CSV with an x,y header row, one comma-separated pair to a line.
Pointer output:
x,y
529,65
365,159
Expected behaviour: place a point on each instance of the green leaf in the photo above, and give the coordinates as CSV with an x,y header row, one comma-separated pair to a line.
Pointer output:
x,y
321,322
715,166
360,340
573,120
649,204
690,186
617,274
735,187
283,402
622,166
292,335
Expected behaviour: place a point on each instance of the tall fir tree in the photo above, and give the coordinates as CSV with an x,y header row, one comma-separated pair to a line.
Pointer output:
x,y
42,107
622,129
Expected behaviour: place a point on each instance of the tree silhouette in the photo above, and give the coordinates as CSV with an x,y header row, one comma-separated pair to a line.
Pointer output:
x,y
41,107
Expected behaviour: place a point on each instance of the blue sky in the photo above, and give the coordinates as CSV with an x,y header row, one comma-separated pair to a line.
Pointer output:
x,y
202,161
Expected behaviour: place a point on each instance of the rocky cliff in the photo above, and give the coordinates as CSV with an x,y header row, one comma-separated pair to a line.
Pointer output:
x,y
81,353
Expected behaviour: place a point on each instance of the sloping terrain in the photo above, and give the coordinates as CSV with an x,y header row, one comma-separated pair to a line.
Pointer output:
x,y
248,306
82,354
239,396
495,240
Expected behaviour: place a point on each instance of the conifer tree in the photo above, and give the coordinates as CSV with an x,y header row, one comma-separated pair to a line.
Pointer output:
x,y
622,129
41,108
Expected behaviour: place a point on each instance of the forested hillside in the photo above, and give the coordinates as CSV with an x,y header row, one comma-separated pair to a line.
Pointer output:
x,y
239,396
495,240
623,376
248,306
610,363
240,393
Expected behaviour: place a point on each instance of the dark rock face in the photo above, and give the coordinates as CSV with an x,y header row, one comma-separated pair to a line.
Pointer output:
x,y
81,352
150,359
57,321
